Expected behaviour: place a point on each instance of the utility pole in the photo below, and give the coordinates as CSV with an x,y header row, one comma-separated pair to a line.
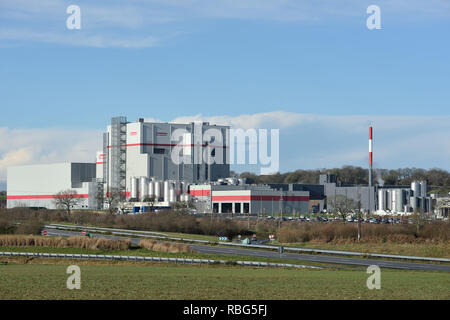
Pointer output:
x,y
359,214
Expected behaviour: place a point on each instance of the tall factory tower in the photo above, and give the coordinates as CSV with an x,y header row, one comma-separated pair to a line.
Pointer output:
x,y
370,156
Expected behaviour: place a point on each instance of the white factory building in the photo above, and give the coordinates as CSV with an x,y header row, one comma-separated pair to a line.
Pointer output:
x,y
248,199
143,151
37,185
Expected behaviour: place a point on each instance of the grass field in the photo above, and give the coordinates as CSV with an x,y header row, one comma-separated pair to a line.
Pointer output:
x,y
45,279
145,252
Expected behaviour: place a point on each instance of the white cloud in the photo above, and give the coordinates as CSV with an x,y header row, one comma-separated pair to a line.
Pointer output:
x,y
33,146
76,39
99,17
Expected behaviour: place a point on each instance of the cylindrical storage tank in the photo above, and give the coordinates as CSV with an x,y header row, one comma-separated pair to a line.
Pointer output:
x,y
413,203
166,191
143,188
134,188
172,197
388,199
187,197
158,193
423,188
415,187
381,199
151,189
398,200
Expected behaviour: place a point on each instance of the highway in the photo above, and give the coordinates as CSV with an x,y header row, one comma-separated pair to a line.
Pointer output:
x,y
291,256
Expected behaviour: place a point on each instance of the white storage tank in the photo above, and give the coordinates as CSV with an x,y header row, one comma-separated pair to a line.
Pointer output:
x,y
151,189
423,188
143,188
381,199
415,187
166,191
158,191
134,188
172,197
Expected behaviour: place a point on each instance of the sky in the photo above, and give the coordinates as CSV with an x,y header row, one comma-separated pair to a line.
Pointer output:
x,y
311,69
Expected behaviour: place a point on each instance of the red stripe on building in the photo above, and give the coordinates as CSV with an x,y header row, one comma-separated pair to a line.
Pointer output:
x,y
260,198
200,193
100,162
36,197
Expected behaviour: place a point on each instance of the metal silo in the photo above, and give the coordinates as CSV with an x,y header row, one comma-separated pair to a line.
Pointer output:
x,y
413,202
151,189
423,188
172,197
158,190
389,199
143,188
398,200
381,199
415,187
166,191
134,188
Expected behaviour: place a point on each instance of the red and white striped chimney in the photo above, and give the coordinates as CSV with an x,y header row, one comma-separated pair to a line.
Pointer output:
x,y
370,156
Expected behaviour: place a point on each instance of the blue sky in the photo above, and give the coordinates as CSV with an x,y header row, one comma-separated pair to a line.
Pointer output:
x,y
223,59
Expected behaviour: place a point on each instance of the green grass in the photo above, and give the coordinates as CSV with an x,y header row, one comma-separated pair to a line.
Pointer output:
x,y
40,281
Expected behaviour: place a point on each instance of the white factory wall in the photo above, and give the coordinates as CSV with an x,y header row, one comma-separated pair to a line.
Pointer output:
x,y
35,185
100,160
145,143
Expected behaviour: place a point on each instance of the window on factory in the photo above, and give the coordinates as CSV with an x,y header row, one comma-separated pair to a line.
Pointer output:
x,y
237,208
246,208
159,150
227,207
215,207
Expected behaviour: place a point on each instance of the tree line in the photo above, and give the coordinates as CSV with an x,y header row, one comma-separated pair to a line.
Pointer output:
x,y
356,175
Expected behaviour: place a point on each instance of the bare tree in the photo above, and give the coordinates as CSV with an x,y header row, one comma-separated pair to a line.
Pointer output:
x,y
110,198
342,205
67,199
419,219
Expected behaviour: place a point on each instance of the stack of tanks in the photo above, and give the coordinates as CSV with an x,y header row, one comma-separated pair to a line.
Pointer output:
x,y
404,200
165,192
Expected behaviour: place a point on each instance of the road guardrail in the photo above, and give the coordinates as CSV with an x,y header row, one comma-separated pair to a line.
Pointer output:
x,y
156,259
150,234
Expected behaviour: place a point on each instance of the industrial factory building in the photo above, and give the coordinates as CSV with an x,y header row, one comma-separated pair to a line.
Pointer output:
x,y
135,150
248,199
334,191
402,199
37,185
137,163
